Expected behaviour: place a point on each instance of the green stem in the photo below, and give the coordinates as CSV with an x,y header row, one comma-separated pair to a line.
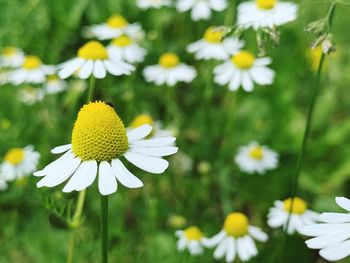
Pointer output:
x,y
91,89
70,253
104,228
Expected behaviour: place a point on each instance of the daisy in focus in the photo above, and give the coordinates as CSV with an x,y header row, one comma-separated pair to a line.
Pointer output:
x,y
124,48
214,46
236,239
201,9
31,95
266,13
256,158
300,215
169,71
54,85
146,4
99,143
157,131
332,235
11,57
191,239
93,59
19,162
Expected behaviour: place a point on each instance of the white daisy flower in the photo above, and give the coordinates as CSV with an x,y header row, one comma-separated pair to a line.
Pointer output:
x,y
236,238
214,46
300,215
31,95
11,57
332,236
146,4
157,130
243,69
31,71
266,13
256,158
169,71
191,239
19,162
201,9
54,85
99,141
124,48
115,26
93,59
3,184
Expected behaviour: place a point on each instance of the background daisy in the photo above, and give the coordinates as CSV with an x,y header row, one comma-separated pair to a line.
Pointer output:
x,y
191,239
201,9
145,4
11,57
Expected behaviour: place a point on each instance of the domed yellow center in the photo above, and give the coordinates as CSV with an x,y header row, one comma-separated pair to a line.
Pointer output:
x,y
236,225
93,50
142,120
266,4
257,153
14,156
193,233
122,41
98,133
117,21
213,35
299,205
8,51
243,60
31,62
169,60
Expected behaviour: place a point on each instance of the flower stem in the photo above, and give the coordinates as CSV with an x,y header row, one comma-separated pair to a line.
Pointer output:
x,y
104,228
91,88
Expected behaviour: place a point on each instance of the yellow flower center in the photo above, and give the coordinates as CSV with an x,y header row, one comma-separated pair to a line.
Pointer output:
x,y
193,233
299,205
122,41
93,50
31,62
8,51
243,60
52,78
98,133
14,156
141,120
236,225
117,21
213,35
257,153
169,60
266,4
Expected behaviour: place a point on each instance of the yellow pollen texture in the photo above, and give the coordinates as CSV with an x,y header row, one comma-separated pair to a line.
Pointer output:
x,y
8,51
14,156
236,225
122,41
93,50
31,62
266,4
193,233
98,133
169,60
213,35
257,153
142,120
299,205
243,60
117,21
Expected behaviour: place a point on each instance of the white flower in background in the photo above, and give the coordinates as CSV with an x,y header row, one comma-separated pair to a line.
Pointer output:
x,y
191,239
99,142
31,95
145,4
332,235
124,48
19,162
236,239
93,59
115,26
157,130
54,85
243,69
11,57
31,71
256,158
300,215
169,71
214,46
3,184
266,13
201,9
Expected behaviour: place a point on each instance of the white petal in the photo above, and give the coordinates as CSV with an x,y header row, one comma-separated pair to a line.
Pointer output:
x,y
155,151
83,177
139,132
61,149
124,176
211,242
258,234
327,240
334,217
155,142
107,183
337,251
221,249
99,69
147,163
231,250
86,69
343,202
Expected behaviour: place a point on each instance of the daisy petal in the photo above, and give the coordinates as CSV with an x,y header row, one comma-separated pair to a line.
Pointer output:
x,y
61,149
124,176
107,183
83,177
139,132
147,163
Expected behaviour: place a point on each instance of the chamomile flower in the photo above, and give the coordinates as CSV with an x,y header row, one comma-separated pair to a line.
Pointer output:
x,y
93,59
256,158
300,215
99,142
3,184
11,57
332,236
54,85
191,239
157,131
244,69
213,45
31,95
115,26
146,4
266,13
169,71
201,9
126,49
19,162
32,70
236,239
